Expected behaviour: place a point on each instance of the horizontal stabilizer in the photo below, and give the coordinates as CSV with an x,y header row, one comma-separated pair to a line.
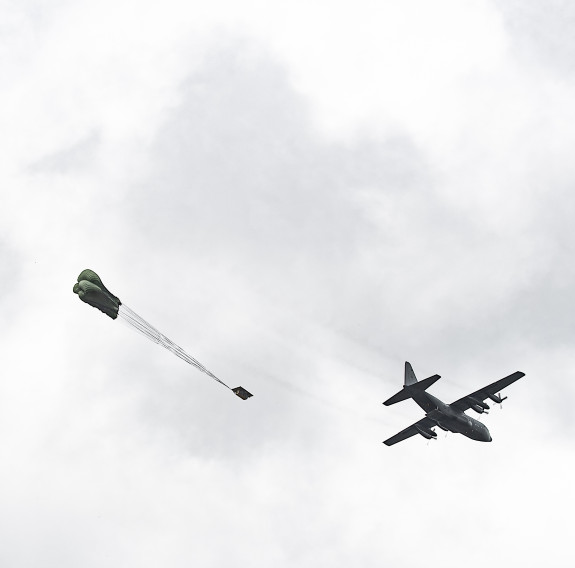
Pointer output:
x,y
409,390
426,383
399,396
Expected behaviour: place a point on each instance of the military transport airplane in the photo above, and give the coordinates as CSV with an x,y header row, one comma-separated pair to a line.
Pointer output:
x,y
449,417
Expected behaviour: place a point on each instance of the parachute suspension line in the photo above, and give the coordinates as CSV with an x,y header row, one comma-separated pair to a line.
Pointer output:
x,y
141,325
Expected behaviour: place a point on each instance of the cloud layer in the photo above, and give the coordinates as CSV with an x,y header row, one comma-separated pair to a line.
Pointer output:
x,y
302,197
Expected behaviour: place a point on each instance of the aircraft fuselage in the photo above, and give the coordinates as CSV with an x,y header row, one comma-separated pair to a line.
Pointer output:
x,y
452,419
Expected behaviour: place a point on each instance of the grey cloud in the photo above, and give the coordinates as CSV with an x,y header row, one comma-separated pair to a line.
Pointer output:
x,y
76,158
250,217
267,219
241,177
10,277
542,32
247,196
307,271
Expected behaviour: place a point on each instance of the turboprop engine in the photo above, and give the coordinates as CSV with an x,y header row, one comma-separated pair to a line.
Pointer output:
x,y
427,433
497,398
478,405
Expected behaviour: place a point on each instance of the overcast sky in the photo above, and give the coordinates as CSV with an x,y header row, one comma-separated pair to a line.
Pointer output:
x,y
303,195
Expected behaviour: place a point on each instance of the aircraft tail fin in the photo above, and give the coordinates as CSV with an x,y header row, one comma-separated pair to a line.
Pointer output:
x,y
411,386
409,378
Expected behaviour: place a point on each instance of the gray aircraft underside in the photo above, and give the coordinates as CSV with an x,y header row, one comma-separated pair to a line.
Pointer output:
x,y
449,417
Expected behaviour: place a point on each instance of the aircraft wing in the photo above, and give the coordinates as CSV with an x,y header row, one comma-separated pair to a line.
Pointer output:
x,y
480,395
424,423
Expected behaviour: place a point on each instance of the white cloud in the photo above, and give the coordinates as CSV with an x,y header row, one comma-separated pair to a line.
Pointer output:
x,y
302,195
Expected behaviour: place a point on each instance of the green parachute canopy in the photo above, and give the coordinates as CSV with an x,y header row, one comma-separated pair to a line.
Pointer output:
x,y
91,289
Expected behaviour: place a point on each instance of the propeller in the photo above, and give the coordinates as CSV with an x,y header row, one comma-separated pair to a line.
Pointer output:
x,y
434,437
497,398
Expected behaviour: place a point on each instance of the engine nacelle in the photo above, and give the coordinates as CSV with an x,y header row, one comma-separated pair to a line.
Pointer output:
x,y
427,433
478,409
497,399
477,402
